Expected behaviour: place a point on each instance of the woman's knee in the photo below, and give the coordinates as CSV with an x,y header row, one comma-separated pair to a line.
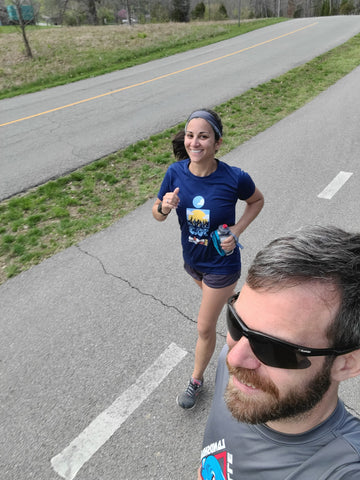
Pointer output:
x,y
206,330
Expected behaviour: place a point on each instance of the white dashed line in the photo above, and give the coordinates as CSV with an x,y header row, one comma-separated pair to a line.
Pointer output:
x,y
335,185
72,458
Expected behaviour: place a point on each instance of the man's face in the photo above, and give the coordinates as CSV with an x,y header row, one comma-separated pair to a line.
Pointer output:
x,y
257,393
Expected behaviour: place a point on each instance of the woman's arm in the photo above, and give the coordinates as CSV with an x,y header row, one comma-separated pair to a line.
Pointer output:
x,y
254,204
169,202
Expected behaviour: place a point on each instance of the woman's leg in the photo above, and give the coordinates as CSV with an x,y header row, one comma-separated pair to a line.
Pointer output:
x,y
212,302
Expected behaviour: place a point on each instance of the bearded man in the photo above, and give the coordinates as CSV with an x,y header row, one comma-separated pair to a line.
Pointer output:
x,y
293,336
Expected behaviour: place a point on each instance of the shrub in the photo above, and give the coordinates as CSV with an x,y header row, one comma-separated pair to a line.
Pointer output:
x,y
347,7
199,11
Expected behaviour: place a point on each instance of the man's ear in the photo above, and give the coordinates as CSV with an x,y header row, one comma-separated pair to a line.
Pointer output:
x,y
346,366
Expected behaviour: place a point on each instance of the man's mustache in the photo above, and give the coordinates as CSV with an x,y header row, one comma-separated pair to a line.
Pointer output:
x,y
251,377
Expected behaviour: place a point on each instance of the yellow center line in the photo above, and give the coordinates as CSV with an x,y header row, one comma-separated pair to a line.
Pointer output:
x,y
161,76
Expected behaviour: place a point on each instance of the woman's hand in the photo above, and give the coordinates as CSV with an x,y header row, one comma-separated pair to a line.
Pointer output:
x,y
171,200
229,243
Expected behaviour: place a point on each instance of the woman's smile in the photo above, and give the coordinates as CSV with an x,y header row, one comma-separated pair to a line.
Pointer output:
x,y
200,141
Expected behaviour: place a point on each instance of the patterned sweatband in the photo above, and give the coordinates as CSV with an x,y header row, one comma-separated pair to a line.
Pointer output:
x,y
209,118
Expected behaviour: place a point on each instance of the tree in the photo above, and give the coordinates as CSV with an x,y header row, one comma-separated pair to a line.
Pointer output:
x,y
54,10
80,11
180,10
347,7
128,11
92,11
222,13
159,12
122,15
23,22
199,11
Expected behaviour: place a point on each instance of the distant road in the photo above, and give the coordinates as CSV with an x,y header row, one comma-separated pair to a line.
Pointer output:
x,y
47,134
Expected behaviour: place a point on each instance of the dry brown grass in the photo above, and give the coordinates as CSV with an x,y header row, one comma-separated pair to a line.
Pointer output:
x,y
60,50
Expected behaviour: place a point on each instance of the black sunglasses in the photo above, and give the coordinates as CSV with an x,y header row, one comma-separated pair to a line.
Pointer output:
x,y
271,350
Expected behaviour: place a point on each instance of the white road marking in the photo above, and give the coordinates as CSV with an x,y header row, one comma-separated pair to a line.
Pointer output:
x,y
335,185
72,458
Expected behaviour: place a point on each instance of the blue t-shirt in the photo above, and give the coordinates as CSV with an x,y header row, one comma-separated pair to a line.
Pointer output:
x,y
240,451
206,203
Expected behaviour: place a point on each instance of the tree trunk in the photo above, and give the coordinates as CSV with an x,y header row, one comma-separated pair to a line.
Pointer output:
x,y
23,30
62,11
128,11
93,12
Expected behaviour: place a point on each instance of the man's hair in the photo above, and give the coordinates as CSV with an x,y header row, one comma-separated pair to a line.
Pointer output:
x,y
314,253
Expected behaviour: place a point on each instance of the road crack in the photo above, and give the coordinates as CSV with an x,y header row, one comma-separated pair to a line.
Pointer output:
x,y
145,294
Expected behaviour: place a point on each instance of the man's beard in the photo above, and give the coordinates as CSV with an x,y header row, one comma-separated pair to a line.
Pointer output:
x,y
270,407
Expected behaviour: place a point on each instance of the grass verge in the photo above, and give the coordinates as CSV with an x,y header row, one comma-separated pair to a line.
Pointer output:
x,y
61,213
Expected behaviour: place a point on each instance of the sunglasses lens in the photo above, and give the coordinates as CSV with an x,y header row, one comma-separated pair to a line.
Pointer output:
x,y
268,351
276,354
235,330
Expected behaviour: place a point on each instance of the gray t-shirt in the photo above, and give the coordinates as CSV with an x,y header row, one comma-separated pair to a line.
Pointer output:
x,y
239,451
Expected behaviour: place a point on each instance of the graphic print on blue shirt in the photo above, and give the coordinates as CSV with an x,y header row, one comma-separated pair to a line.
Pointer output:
x,y
214,197
198,222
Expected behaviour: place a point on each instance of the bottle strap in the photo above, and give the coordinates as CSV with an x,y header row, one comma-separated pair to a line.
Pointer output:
x,y
236,240
216,241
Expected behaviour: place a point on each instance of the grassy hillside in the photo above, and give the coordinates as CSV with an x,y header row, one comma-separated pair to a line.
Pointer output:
x,y
66,54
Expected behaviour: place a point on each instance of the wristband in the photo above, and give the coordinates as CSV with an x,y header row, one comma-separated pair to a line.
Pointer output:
x,y
160,211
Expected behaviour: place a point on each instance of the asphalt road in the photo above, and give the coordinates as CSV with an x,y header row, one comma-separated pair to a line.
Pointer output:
x,y
97,341
49,133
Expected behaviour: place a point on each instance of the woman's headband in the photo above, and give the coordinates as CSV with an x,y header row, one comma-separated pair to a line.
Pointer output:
x,y
209,118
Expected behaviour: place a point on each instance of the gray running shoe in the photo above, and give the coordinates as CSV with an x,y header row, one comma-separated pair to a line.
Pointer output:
x,y
188,398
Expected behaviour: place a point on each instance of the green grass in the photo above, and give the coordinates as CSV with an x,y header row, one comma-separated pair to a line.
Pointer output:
x,y
61,213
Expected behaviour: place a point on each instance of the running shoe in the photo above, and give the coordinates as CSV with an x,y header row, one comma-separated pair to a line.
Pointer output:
x,y
188,398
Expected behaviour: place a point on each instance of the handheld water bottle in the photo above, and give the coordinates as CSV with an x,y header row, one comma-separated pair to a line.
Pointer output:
x,y
219,235
224,231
